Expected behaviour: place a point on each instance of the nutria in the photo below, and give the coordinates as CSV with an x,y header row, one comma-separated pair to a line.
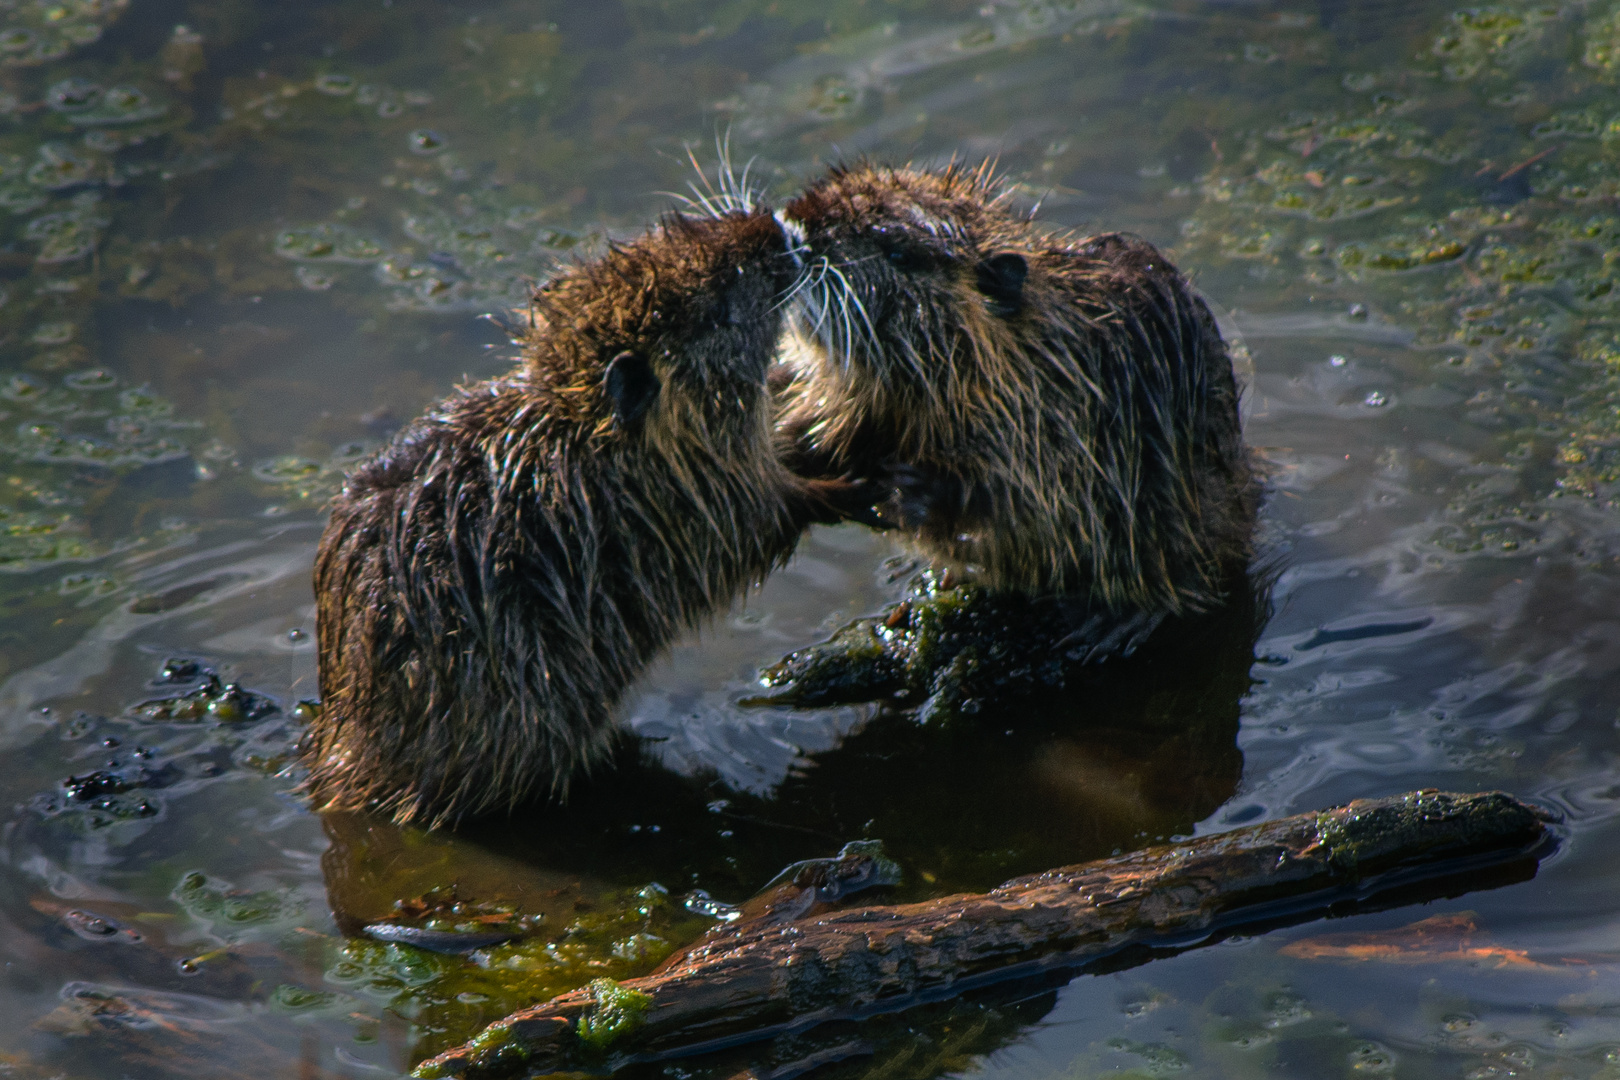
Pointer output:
x,y
491,582
1059,413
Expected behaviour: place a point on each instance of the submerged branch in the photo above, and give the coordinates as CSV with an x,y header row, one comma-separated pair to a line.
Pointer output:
x,y
791,967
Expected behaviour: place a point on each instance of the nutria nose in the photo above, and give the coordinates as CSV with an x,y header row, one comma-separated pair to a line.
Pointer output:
x,y
793,235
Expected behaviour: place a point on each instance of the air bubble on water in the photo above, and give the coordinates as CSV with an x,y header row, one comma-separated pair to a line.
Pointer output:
x,y
351,453
335,84
425,141
22,388
66,235
20,199
62,166
53,333
96,379
1286,1009
15,39
313,279
72,94
121,105
288,469
1370,1058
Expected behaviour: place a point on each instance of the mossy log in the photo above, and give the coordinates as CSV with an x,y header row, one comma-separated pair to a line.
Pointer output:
x,y
790,966
949,651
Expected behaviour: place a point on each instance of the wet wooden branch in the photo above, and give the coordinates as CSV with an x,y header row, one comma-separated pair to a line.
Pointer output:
x,y
774,972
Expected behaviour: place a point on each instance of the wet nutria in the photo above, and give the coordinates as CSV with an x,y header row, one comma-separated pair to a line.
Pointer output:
x,y
1060,413
492,581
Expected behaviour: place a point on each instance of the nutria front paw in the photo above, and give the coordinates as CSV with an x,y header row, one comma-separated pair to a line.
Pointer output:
x,y
847,498
918,496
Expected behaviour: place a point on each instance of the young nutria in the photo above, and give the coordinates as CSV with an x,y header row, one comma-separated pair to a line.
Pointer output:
x,y
1057,413
492,581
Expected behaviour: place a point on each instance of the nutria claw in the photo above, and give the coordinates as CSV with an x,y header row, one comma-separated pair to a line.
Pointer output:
x,y
1105,635
848,498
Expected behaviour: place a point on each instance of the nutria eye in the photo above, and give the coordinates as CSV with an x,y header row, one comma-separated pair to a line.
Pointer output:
x,y
630,385
1001,281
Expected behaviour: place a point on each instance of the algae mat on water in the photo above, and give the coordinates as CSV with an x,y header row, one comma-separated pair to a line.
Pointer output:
x,y
241,242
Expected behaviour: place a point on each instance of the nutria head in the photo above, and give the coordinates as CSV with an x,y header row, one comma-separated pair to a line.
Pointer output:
x,y
667,338
912,284
1062,407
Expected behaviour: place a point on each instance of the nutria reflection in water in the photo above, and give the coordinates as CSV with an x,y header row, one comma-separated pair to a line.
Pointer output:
x,y
491,582
1143,748
1058,414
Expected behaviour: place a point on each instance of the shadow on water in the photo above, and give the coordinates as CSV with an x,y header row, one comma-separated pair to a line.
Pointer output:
x,y
1134,751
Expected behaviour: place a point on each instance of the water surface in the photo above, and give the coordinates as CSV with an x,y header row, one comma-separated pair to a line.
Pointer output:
x,y
241,243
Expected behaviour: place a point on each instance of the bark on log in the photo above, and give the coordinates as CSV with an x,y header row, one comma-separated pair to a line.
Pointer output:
x,y
768,974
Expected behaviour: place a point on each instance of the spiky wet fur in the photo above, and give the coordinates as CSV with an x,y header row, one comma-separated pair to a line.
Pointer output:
x,y
492,581
1086,444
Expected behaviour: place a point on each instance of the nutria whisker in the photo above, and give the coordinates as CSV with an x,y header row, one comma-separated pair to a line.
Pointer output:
x,y
1061,411
805,277
847,297
490,583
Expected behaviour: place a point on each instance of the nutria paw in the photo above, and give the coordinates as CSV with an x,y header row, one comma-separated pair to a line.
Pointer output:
x,y
920,498
848,498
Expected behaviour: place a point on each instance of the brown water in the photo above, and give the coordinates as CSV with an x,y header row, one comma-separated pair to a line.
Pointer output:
x,y
242,242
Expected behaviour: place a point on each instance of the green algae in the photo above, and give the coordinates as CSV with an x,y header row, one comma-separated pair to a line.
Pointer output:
x,y
230,913
1490,242
515,187
451,998
34,32
945,650
618,1010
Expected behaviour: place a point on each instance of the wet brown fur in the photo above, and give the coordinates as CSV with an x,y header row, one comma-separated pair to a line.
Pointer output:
x,y
492,582
1078,434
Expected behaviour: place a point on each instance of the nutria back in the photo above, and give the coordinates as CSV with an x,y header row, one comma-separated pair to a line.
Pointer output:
x,y
492,582
1059,412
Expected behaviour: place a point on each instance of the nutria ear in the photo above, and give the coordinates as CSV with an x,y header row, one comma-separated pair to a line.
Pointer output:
x,y
1001,280
631,385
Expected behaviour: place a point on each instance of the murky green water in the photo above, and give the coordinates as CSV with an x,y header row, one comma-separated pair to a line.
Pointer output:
x,y
242,242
